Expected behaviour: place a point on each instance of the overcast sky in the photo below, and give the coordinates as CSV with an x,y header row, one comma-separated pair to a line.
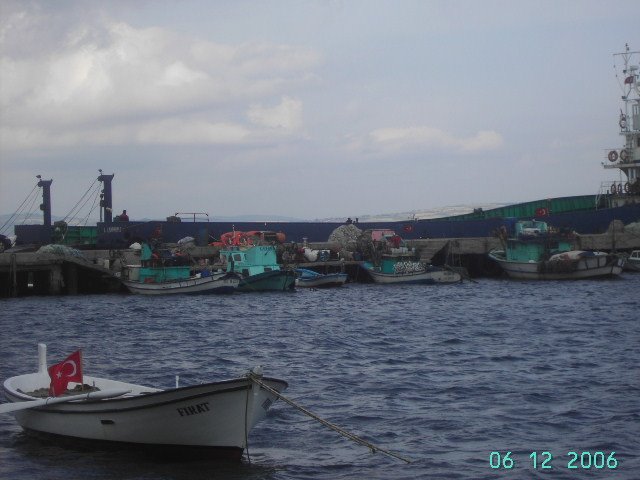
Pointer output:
x,y
309,109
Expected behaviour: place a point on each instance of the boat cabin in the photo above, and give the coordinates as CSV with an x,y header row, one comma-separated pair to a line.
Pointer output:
x,y
156,268
250,261
533,242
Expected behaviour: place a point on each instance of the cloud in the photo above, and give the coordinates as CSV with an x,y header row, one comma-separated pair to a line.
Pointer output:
x,y
110,82
399,139
287,116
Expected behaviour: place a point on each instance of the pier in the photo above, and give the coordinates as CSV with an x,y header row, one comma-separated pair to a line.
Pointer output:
x,y
96,271
33,273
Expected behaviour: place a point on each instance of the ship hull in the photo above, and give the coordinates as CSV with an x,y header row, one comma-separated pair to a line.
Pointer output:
x,y
571,213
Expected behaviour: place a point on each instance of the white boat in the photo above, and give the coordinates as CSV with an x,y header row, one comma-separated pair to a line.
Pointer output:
x,y
632,264
394,271
161,281
213,419
310,279
394,262
163,273
533,251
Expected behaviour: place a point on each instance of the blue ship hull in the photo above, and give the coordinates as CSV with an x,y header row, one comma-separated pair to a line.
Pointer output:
x,y
122,234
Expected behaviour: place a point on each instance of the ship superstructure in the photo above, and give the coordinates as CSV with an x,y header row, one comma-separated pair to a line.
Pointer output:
x,y
627,159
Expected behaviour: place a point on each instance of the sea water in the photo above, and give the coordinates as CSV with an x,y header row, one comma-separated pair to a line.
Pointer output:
x,y
487,379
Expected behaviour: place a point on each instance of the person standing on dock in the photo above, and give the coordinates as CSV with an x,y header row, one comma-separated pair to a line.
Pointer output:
x,y
123,217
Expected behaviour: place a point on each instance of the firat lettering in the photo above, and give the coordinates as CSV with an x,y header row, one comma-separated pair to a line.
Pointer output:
x,y
193,409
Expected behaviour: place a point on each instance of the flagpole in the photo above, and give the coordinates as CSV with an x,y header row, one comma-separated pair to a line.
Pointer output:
x,y
81,370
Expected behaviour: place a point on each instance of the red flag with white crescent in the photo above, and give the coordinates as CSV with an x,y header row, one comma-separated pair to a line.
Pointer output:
x,y
69,370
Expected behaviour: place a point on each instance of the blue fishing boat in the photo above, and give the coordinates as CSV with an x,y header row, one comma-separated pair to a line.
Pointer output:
x,y
306,278
533,251
258,267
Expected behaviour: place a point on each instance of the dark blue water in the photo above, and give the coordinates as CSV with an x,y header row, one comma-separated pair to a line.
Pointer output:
x,y
442,375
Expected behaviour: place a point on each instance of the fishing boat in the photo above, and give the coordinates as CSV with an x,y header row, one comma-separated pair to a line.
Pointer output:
x,y
258,268
397,270
210,419
533,251
158,275
172,280
632,262
306,278
395,263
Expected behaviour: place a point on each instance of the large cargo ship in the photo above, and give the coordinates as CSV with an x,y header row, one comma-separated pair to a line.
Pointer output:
x,y
586,214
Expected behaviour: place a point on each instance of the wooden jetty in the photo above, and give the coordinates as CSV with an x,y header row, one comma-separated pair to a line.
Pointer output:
x,y
33,273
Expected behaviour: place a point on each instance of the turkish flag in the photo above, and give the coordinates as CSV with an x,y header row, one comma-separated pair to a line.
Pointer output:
x,y
69,370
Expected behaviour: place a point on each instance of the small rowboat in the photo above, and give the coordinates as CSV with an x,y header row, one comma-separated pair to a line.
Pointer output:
x,y
213,419
310,279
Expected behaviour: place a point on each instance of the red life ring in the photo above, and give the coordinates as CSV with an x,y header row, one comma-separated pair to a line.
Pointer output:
x,y
627,187
613,189
407,228
613,156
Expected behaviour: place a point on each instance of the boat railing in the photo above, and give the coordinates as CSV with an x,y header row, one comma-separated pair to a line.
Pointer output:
x,y
201,216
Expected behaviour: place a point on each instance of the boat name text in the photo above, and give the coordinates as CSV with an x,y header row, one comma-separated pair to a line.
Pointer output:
x,y
193,409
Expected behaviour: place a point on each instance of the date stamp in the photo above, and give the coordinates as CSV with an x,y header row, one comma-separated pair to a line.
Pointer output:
x,y
545,460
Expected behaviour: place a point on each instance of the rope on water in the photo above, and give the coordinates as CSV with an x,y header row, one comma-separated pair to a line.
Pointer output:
x,y
326,423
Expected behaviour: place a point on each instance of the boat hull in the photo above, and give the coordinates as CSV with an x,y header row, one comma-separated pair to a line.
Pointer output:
x,y
216,283
210,417
429,277
275,280
310,279
584,268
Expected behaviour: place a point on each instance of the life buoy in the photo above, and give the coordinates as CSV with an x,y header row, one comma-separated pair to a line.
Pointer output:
x,y
624,155
407,228
613,156
613,189
620,188
623,122
627,187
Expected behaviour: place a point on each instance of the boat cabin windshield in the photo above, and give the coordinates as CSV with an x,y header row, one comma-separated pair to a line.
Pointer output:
x,y
531,228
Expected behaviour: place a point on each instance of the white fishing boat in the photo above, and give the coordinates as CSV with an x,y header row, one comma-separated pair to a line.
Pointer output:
x,y
168,280
632,263
533,251
213,419
393,262
306,278
394,271
163,274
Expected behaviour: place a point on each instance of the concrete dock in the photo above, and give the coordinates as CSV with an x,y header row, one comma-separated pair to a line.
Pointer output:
x,y
95,271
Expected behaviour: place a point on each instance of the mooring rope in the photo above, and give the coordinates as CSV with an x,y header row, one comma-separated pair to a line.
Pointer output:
x,y
326,423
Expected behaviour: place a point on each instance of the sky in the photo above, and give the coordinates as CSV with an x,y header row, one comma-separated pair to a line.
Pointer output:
x,y
309,109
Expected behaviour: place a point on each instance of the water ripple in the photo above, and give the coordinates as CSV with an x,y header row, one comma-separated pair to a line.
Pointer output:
x,y
444,376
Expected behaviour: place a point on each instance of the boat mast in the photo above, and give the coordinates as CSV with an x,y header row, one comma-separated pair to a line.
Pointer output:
x,y
106,201
628,158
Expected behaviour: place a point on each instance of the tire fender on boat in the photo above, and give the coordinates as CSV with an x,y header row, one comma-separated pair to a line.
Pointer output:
x,y
624,155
